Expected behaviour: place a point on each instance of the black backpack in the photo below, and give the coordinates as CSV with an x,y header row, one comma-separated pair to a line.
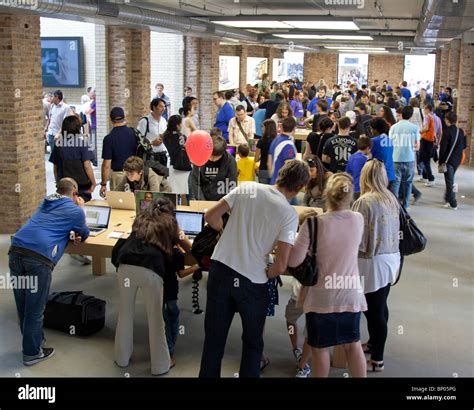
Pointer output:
x,y
155,160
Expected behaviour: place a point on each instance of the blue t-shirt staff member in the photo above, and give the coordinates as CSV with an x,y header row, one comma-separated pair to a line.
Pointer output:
x,y
224,114
282,149
35,250
117,146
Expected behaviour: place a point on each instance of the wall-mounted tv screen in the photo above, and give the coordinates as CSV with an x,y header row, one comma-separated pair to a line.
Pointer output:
x,y
62,61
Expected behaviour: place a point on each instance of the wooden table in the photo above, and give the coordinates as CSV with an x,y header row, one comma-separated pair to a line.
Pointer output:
x,y
100,247
301,134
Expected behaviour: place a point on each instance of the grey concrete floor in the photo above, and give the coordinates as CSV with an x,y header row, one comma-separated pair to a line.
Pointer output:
x,y
431,327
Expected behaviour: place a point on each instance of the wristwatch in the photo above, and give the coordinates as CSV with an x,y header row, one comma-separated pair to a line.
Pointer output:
x,y
103,184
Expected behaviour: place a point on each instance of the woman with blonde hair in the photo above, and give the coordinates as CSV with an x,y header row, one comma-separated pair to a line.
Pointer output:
x,y
333,305
379,256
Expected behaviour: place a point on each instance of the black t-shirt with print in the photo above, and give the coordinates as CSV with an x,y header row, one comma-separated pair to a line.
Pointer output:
x,y
212,168
339,149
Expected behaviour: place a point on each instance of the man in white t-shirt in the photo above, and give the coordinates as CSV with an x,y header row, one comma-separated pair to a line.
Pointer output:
x,y
59,110
261,218
153,125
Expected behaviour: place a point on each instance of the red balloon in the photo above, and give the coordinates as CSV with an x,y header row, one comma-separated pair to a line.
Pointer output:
x,y
199,147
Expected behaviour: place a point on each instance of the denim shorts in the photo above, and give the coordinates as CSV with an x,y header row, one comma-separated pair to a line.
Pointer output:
x,y
332,329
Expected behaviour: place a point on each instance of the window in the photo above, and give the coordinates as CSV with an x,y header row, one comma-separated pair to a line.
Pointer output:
x,y
419,73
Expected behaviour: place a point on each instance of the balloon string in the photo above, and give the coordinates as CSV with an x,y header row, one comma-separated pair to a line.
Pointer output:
x,y
199,184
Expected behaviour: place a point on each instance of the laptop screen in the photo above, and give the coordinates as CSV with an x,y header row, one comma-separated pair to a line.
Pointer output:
x,y
190,222
144,198
97,216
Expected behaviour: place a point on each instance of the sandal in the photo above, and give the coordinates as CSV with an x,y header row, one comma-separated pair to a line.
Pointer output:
x,y
264,363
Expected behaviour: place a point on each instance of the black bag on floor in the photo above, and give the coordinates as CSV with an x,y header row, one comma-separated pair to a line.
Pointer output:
x,y
74,313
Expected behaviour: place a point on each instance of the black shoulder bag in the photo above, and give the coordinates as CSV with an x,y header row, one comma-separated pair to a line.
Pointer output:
x,y
307,273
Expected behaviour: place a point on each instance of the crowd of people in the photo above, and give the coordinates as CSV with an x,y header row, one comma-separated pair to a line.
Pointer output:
x,y
358,165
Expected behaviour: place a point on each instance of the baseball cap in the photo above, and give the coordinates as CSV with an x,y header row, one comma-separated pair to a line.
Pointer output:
x,y
117,114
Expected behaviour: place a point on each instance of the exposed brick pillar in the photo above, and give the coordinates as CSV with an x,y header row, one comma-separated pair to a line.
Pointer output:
x,y
453,67
129,71
201,73
270,54
208,81
242,52
465,92
443,74
140,74
320,65
22,171
437,71
191,63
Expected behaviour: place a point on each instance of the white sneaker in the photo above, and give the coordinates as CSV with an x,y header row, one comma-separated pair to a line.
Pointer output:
x,y
303,373
430,183
448,206
421,179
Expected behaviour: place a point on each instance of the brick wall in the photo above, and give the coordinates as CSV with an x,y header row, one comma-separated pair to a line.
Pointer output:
x,y
386,67
201,72
140,63
437,71
320,65
242,52
167,65
22,172
443,69
51,27
102,86
465,93
129,71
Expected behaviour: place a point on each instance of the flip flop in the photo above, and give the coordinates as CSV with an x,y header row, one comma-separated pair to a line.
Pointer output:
x,y
264,363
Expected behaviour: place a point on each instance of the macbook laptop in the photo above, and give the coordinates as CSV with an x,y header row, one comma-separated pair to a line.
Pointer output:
x,y
97,218
121,200
190,222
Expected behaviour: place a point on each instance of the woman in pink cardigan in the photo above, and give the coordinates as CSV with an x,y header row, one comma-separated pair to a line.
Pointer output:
x,y
333,305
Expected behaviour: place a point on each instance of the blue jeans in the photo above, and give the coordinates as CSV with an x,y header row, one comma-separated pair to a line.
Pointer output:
x,y
450,194
263,177
51,141
404,172
31,302
171,317
228,293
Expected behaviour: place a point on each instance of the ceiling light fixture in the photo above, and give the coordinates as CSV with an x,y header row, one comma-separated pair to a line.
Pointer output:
x,y
253,24
323,37
323,25
362,51
355,48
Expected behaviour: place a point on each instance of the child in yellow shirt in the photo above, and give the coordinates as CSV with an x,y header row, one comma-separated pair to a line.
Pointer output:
x,y
245,165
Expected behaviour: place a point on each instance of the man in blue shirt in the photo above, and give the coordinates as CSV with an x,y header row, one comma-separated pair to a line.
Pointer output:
x,y
282,149
382,148
161,95
117,146
259,118
224,114
357,161
35,250
321,95
406,93
405,138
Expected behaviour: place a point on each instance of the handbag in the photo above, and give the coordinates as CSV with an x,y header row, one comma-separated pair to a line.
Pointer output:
x,y
443,168
412,239
204,244
307,273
